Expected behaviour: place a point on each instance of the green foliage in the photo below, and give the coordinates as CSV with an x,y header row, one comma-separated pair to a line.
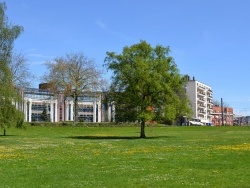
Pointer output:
x,y
9,95
45,116
9,116
147,84
8,34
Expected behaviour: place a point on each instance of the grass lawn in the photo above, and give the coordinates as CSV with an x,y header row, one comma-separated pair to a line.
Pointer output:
x,y
66,157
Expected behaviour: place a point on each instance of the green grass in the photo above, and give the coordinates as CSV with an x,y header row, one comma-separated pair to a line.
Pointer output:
x,y
115,157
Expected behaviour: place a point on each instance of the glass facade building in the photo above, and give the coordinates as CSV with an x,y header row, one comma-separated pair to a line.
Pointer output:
x,y
39,102
41,105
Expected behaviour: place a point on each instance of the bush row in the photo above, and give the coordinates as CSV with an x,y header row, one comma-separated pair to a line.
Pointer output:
x,y
79,124
90,124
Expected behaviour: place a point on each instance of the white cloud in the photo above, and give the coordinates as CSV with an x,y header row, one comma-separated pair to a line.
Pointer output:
x,y
37,55
37,62
101,24
105,27
38,59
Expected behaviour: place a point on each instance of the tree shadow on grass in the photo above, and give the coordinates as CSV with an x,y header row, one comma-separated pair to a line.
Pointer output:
x,y
114,137
8,135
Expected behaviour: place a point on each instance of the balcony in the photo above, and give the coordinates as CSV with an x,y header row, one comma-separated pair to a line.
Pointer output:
x,y
199,87
209,106
210,101
210,91
202,112
209,96
199,93
201,116
201,106
209,109
201,99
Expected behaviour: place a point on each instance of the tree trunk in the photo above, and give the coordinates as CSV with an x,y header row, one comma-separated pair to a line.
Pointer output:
x,y
4,132
143,130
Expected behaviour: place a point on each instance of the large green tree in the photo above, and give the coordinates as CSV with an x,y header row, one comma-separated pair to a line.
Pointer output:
x,y
9,94
146,85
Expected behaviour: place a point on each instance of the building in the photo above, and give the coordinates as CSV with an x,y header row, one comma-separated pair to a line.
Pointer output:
x,y
240,120
201,99
35,101
222,116
58,107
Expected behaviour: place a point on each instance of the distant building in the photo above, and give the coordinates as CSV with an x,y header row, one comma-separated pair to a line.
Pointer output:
x,y
226,112
35,101
241,120
201,98
61,108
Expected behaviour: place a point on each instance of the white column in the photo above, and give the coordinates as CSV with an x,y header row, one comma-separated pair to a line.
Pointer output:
x,y
94,111
66,111
71,110
25,110
109,113
56,120
30,111
99,112
51,111
113,112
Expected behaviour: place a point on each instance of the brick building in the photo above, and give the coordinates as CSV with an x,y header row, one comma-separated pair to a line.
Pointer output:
x,y
228,116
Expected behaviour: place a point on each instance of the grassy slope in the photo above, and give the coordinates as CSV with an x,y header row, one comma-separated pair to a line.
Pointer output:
x,y
114,156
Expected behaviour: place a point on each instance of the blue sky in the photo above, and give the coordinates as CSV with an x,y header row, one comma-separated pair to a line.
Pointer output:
x,y
209,39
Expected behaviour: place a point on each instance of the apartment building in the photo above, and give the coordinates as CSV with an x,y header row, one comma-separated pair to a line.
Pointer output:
x,y
58,107
222,116
201,99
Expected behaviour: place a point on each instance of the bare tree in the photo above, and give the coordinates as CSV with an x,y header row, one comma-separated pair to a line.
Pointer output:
x,y
218,103
73,74
21,75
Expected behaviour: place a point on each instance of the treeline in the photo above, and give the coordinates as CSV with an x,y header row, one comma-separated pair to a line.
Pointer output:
x,y
146,85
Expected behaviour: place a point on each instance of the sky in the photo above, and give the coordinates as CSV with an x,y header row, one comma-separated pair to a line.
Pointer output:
x,y
209,39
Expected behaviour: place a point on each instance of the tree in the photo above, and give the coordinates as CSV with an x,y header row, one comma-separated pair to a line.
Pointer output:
x,y
21,75
218,103
73,75
9,115
45,116
147,84
9,94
